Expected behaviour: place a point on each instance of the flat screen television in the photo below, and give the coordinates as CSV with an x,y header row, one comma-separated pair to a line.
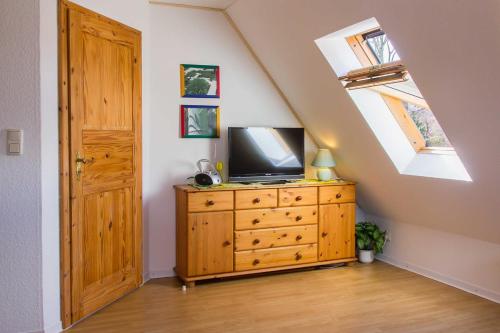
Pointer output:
x,y
264,154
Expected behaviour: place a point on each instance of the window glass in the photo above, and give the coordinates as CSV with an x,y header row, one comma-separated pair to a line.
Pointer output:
x,y
408,87
381,47
427,125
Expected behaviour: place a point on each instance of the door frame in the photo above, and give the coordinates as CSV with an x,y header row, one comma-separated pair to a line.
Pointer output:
x,y
65,159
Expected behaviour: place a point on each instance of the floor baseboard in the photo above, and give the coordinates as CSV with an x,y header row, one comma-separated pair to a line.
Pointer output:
x,y
55,328
465,286
145,277
160,274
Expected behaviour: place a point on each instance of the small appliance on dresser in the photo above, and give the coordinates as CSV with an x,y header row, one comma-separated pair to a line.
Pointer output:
x,y
207,175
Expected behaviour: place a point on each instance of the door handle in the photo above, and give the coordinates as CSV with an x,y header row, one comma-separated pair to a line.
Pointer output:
x,y
80,161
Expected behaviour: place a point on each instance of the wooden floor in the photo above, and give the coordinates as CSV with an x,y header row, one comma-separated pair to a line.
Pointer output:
x,y
363,298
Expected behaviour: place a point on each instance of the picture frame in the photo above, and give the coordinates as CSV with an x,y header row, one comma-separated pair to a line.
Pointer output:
x,y
200,121
200,81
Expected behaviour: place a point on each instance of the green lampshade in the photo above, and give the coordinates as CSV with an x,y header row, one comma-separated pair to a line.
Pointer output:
x,y
324,159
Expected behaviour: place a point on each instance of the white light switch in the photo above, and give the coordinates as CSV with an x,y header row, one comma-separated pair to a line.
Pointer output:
x,y
14,141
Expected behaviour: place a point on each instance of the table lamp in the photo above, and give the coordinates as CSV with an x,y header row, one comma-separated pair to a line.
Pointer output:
x,y
324,161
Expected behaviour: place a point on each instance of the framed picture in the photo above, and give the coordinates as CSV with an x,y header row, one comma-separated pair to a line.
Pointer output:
x,y
200,121
200,81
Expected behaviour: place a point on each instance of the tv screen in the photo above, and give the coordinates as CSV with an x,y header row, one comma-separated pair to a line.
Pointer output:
x,y
265,154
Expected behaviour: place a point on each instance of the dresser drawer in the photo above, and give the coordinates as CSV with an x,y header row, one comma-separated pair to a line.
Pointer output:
x,y
276,217
210,201
282,256
275,237
256,198
298,196
337,194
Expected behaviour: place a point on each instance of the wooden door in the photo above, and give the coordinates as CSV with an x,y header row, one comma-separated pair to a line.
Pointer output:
x,y
336,231
104,137
210,243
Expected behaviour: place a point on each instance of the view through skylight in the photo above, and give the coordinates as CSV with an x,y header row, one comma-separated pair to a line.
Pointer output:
x,y
427,125
381,47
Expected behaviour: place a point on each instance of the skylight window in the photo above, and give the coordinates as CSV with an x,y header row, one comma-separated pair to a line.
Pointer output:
x,y
376,78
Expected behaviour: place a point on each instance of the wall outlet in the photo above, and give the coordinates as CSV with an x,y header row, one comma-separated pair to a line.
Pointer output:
x,y
388,236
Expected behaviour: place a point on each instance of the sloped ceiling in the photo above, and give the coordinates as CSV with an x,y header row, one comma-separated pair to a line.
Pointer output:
x,y
452,49
220,4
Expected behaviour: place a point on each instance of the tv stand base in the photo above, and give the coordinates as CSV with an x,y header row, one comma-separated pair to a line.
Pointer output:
x,y
272,182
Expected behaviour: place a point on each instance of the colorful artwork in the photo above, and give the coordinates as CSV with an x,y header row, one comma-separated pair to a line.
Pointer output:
x,y
200,81
199,121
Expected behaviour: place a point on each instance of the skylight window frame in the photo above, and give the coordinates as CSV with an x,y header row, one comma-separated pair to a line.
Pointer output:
x,y
392,97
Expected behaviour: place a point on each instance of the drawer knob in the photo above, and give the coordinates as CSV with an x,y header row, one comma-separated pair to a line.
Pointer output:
x,y
256,200
256,241
226,243
299,237
298,218
256,262
210,203
255,221
298,256
298,198
338,196
324,234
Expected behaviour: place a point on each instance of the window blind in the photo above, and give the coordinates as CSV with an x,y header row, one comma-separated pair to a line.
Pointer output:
x,y
375,75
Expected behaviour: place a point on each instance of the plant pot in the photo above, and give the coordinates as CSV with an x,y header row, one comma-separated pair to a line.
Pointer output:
x,y
366,256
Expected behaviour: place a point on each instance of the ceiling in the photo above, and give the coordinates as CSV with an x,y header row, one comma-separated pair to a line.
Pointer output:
x,y
458,76
221,4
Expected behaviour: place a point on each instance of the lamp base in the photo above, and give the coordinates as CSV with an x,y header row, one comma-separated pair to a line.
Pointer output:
x,y
324,174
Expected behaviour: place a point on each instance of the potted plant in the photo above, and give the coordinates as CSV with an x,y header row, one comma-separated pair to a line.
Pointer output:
x,y
370,240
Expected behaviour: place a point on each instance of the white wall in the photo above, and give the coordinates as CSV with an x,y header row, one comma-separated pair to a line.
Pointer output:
x,y
248,98
50,166
20,177
463,262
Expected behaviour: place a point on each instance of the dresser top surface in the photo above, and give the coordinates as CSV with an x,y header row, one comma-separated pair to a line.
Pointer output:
x,y
256,186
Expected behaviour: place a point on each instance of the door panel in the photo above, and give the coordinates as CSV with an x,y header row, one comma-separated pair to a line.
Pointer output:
x,y
105,159
210,239
107,224
107,80
108,161
336,231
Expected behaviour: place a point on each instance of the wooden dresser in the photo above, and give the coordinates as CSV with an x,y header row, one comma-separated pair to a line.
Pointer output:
x,y
229,231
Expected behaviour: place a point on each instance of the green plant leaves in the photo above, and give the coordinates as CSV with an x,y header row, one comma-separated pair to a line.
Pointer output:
x,y
360,243
379,244
369,237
